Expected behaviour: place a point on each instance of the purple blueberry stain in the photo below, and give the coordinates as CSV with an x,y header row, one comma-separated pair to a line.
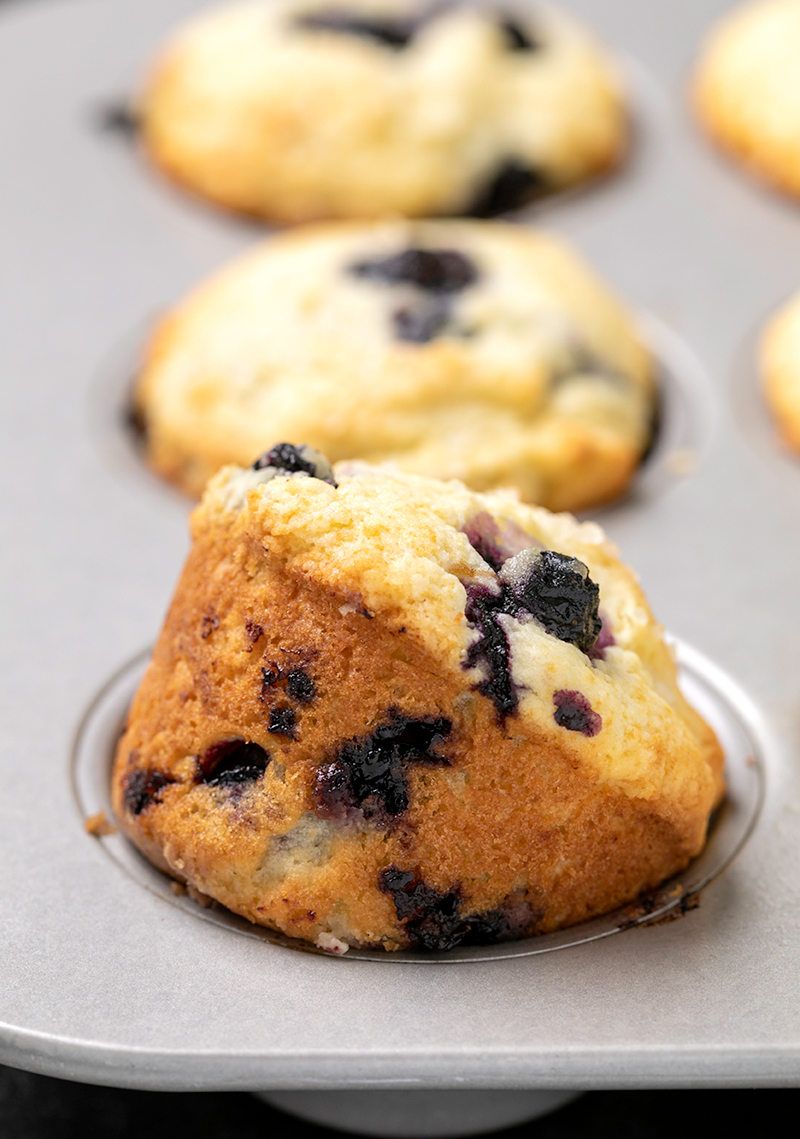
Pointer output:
x,y
144,787
367,777
231,763
575,713
300,686
430,919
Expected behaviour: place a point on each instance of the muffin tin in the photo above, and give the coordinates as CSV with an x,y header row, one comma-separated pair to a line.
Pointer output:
x,y
111,978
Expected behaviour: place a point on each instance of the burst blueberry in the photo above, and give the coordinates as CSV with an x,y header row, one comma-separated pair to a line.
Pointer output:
x,y
232,762
559,593
300,686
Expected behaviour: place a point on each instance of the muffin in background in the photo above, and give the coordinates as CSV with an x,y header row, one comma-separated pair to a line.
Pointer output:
x,y
459,349
299,110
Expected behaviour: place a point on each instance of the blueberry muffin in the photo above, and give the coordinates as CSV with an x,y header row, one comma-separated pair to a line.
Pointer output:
x,y
460,349
747,92
389,711
780,369
297,110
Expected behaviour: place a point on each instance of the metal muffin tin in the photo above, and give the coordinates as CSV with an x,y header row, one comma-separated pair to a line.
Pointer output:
x,y
110,978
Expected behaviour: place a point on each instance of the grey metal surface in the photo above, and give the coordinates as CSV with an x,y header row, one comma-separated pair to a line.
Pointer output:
x,y
104,980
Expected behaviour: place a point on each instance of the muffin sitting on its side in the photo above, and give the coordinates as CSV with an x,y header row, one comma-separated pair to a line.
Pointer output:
x,y
298,110
387,711
458,349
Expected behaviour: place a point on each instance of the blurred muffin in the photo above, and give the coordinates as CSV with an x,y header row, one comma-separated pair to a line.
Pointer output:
x,y
746,89
466,349
296,110
780,369
387,711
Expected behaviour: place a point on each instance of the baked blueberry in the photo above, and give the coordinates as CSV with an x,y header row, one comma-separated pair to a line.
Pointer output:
x,y
144,787
517,37
433,270
300,686
286,459
394,32
491,649
283,722
558,591
368,775
574,712
422,324
412,810
231,763
513,185
431,920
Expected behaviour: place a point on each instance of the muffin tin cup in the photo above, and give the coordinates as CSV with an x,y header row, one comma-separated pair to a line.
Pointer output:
x,y
109,976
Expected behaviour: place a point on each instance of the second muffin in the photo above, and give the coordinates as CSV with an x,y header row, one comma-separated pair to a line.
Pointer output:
x,y
459,349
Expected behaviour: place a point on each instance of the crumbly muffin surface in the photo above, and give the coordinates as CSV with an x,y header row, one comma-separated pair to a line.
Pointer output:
x,y
746,89
393,712
459,349
299,110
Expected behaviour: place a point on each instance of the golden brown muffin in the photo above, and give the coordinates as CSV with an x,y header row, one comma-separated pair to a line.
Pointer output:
x,y
458,349
297,110
388,711
780,368
746,89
